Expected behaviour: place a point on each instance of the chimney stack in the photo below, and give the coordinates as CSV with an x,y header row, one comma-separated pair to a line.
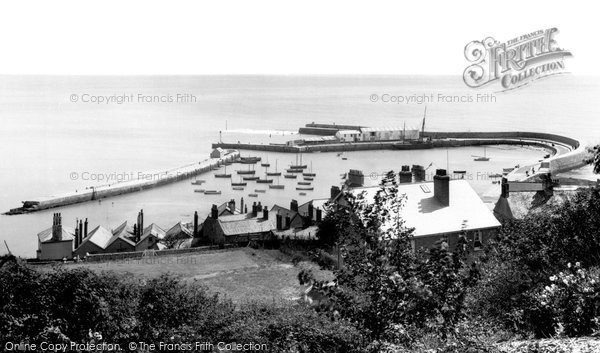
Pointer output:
x,y
279,222
85,228
319,214
265,213
311,211
195,224
441,187
335,190
504,188
76,237
242,205
141,227
56,227
232,206
418,172
80,226
294,205
254,211
214,212
405,175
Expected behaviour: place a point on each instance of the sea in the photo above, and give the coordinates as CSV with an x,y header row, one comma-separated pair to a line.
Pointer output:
x,y
64,133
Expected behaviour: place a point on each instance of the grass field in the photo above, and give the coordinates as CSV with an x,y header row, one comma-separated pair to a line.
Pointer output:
x,y
243,275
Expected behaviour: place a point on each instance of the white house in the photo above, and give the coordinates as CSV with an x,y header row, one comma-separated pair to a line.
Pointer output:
x,y
348,135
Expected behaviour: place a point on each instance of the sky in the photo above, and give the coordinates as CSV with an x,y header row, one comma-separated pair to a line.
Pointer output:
x,y
276,37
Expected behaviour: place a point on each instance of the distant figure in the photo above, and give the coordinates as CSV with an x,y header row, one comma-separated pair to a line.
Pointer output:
x,y
526,173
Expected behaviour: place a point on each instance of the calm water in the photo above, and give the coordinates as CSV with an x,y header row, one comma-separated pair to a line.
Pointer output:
x,y
45,138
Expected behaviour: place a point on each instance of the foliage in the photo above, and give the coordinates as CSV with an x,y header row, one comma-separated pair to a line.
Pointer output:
x,y
384,288
83,306
527,253
574,300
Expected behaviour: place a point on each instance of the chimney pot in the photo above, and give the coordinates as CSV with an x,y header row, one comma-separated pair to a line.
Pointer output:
x,y
441,187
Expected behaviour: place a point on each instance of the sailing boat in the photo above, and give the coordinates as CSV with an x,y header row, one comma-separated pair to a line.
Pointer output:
x,y
275,173
265,180
485,158
223,175
311,174
298,166
276,186
249,171
240,183
266,164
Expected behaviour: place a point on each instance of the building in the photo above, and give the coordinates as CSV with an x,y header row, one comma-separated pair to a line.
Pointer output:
x,y
179,231
290,216
440,210
218,153
387,133
348,135
56,242
240,228
150,239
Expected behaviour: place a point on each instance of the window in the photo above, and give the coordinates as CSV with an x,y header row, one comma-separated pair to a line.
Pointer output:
x,y
477,240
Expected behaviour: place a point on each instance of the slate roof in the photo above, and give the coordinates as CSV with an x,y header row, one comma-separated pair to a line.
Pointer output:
x,y
424,212
99,236
68,233
245,224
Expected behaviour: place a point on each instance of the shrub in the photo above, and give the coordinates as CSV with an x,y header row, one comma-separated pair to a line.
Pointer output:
x,y
573,297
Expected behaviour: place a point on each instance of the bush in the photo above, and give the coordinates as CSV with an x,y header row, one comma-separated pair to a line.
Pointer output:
x,y
573,297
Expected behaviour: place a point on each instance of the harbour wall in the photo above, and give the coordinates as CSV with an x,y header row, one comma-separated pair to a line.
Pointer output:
x,y
105,191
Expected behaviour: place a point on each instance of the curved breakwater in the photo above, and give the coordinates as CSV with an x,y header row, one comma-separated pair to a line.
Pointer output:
x,y
558,162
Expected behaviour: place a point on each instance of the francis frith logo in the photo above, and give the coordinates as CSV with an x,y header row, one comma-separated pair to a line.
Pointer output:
x,y
516,62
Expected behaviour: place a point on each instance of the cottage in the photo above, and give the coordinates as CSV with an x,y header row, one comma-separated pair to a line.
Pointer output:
x,y
56,242
348,135
218,153
150,239
291,216
240,228
440,210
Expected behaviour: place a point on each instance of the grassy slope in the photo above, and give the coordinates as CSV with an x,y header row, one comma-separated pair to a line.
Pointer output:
x,y
240,274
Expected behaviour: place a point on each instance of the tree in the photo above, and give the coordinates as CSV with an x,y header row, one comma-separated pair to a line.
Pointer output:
x,y
386,289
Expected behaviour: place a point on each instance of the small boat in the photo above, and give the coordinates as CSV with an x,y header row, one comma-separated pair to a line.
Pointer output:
x,y
260,190
250,178
309,178
483,158
344,158
249,160
302,194
264,181
198,182
239,184
238,188
246,171
275,173
304,183
278,186
311,174
253,195
212,192
294,170
290,176
199,190
266,164
223,175
298,165
308,188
